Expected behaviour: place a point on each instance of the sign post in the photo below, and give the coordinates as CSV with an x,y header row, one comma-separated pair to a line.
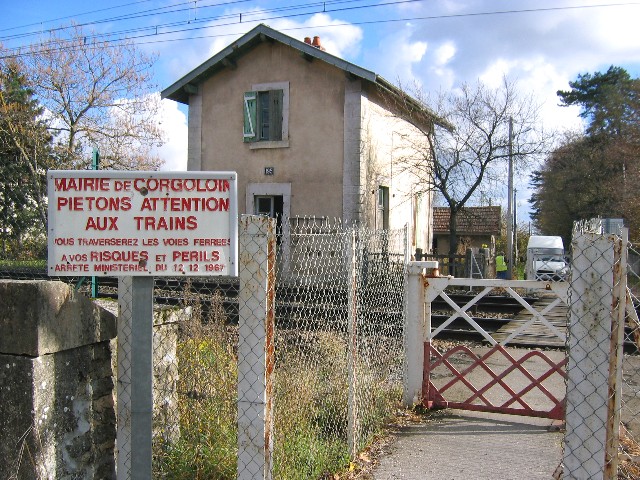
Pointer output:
x,y
138,225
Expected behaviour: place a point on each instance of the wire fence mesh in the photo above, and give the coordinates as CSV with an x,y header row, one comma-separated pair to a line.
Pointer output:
x,y
629,465
338,343
123,378
195,379
339,296
338,355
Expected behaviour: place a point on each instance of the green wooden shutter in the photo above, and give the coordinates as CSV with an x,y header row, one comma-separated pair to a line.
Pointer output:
x,y
250,116
275,114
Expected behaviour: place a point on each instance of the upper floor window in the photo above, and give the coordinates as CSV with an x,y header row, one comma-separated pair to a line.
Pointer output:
x,y
266,115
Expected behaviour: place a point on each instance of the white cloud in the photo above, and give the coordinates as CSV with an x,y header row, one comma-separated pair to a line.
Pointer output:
x,y
445,53
174,150
396,54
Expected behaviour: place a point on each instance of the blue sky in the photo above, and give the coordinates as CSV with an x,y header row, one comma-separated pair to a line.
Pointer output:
x,y
541,44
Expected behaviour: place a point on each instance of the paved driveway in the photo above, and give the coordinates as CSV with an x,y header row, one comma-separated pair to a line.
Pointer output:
x,y
462,445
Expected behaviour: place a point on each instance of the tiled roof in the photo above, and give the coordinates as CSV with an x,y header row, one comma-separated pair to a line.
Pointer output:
x,y
471,220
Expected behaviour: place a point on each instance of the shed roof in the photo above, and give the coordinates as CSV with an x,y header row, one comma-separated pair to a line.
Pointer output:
x,y
226,58
471,220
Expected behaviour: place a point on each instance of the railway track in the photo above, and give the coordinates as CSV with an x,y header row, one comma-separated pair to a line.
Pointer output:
x,y
308,306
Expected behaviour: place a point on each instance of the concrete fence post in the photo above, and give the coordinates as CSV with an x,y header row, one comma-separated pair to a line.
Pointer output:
x,y
594,352
256,347
135,377
414,333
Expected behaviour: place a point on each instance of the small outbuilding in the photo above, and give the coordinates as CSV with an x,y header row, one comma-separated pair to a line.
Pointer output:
x,y
477,227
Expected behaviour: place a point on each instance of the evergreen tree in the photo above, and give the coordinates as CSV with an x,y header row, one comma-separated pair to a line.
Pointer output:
x,y
594,174
610,101
25,148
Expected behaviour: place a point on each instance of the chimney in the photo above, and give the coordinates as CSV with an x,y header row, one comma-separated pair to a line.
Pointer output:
x,y
307,40
316,43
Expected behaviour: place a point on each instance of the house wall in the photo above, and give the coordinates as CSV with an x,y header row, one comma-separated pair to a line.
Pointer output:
x,y
312,163
388,143
341,142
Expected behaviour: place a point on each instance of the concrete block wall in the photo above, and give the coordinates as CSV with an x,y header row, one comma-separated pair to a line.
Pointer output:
x,y
57,417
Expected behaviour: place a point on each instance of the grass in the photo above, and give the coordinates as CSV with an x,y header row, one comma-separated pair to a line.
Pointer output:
x,y
311,406
311,413
207,379
19,264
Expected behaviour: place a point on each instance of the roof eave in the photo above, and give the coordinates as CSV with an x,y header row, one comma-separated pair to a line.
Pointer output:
x,y
178,90
412,103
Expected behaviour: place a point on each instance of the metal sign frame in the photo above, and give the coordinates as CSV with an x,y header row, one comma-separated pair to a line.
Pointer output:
x,y
139,223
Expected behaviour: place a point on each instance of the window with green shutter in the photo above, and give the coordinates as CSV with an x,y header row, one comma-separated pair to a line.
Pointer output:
x,y
265,115
270,115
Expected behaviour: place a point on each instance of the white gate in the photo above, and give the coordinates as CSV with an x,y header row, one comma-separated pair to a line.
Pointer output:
x,y
488,376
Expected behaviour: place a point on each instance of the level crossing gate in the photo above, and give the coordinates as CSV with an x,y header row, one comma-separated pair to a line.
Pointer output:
x,y
490,376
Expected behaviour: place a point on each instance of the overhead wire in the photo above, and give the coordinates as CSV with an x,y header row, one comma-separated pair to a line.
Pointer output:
x,y
155,29
171,9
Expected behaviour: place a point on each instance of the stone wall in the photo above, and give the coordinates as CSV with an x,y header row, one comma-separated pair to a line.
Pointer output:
x,y
57,416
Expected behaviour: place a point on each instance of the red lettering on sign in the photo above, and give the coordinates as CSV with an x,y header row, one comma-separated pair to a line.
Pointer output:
x,y
102,223
211,242
119,256
196,256
176,242
97,203
70,267
166,223
82,184
181,185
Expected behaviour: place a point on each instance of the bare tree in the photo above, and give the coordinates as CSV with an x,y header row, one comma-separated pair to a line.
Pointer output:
x,y
470,145
98,94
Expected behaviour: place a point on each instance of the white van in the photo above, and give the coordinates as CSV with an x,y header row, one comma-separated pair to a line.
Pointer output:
x,y
545,259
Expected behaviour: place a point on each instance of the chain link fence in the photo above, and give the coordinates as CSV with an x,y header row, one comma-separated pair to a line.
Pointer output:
x,y
337,346
338,343
337,309
629,464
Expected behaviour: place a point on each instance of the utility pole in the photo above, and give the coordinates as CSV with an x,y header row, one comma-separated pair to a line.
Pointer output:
x,y
509,205
515,231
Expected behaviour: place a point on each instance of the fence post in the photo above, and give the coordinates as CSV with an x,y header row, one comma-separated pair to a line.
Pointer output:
x,y
414,334
468,260
135,377
618,314
352,332
589,443
256,324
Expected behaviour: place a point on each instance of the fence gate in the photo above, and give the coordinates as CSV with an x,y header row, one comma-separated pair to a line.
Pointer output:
x,y
488,376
